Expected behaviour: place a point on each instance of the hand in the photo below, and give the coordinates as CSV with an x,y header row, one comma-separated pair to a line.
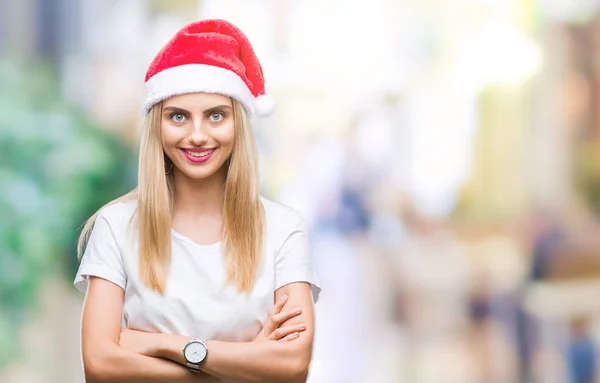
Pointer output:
x,y
140,342
271,329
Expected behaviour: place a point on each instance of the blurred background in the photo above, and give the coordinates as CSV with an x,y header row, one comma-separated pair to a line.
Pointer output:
x,y
446,155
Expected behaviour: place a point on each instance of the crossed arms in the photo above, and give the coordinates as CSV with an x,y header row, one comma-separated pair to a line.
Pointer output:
x,y
280,352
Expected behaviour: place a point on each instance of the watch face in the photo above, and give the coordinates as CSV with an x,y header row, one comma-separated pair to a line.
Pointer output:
x,y
195,352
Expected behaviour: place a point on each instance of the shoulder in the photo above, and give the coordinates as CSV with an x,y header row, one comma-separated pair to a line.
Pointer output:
x,y
279,215
282,223
118,214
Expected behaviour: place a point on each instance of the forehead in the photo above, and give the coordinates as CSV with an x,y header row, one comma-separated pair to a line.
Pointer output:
x,y
197,101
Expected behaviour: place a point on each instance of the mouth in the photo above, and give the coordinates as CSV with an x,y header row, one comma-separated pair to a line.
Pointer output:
x,y
198,155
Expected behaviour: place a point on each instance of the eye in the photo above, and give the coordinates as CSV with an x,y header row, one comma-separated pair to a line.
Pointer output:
x,y
217,116
177,117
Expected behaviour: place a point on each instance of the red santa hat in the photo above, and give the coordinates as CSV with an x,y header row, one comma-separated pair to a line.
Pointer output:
x,y
212,56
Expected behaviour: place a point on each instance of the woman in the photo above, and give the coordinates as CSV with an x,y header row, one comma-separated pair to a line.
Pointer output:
x,y
193,276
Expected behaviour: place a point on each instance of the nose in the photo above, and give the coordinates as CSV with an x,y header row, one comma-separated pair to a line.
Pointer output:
x,y
198,136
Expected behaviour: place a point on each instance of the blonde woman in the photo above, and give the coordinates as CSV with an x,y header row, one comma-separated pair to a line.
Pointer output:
x,y
193,276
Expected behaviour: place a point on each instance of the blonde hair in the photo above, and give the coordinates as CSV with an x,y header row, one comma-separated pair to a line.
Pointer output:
x,y
243,214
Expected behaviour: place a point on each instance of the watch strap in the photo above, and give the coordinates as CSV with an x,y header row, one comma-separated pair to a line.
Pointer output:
x,y
194,367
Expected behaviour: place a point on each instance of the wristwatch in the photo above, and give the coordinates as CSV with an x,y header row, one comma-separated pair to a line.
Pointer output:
x,y
195,353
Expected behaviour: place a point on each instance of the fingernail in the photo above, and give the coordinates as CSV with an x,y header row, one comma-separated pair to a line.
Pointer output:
x,y
302,327
294,335
297,311
283,298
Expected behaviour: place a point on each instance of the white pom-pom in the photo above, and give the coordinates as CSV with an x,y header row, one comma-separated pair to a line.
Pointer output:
x,y
264,105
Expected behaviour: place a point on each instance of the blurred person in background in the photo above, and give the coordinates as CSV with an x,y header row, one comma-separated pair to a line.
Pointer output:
x,y
564,256
194,259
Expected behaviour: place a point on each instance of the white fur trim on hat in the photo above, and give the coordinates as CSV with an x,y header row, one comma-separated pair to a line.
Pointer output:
x,y
195,78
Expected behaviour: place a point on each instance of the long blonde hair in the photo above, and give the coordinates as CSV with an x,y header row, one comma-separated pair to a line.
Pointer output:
x,y
243,214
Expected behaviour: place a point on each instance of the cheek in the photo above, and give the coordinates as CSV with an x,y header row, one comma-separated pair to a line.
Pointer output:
x,y
227,136
168,136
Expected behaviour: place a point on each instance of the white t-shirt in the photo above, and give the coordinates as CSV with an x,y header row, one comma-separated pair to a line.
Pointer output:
x,y
196,302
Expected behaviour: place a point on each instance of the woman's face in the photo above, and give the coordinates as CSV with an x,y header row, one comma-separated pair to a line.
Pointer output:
x,y
197,132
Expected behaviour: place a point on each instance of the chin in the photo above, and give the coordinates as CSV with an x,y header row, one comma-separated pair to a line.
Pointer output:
x,y
199,174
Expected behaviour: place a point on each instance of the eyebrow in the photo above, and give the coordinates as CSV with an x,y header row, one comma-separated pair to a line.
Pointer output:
x,y
209,110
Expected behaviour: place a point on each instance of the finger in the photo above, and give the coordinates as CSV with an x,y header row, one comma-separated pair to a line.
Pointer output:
x,y
282,317
290,337
286,331
269,325
278,305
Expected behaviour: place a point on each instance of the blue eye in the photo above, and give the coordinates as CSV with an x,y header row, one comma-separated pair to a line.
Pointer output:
x,y
216,117
177,117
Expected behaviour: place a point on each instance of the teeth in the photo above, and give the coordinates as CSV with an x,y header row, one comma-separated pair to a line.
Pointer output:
x,y
199,154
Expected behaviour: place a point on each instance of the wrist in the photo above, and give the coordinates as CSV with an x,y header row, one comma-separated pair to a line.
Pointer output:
x,y
171,347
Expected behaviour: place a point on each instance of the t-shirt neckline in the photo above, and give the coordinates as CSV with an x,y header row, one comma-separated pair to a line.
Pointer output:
x,y
189,241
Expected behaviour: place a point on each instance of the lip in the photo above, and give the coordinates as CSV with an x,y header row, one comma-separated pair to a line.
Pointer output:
x,y
198,150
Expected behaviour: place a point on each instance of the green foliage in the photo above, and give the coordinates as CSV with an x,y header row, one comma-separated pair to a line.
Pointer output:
x,y
56,168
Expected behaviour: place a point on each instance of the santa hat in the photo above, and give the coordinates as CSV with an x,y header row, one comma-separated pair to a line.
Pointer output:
x,y
212,56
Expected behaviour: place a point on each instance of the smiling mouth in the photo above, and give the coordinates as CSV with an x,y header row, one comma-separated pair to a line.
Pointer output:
x,y
201,154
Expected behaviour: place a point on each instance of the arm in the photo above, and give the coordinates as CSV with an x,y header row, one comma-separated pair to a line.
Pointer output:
x,y
104,360
268,361
170,346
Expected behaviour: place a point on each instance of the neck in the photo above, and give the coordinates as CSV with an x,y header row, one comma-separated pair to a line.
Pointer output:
x,y
198,197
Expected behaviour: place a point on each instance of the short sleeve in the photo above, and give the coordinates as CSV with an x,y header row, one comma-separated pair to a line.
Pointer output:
x,y
293,259
101,258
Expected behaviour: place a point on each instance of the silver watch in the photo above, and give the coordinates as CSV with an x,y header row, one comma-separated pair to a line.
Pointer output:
x,y
195,353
